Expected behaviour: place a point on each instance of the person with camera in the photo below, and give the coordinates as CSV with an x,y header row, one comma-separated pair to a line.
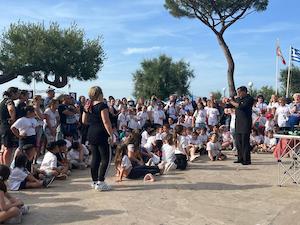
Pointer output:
x,y
243,123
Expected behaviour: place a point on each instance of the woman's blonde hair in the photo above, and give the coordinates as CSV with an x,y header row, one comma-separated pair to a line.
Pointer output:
x,y
95,93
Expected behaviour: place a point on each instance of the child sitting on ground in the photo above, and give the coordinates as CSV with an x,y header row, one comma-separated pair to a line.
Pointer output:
x,y
227,140
270,123
168,154
256,139
78,156
62,159
269,142
11,209
180,145
125,169
49,163
214,149
29,151
21,178
194,145
203,137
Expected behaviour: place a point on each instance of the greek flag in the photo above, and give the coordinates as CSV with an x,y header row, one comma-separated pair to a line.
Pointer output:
x,y
295,55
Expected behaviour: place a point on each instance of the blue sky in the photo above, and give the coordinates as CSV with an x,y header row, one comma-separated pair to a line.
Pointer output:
x,y
134,30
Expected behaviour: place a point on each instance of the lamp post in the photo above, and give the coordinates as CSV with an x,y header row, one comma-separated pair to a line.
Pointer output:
x,y
224,92
250,85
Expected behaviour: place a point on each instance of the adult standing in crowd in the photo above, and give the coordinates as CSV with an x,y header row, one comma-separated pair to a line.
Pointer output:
x,y
83,127
243,124
68,122
50,95
21,104
96,114
295,110
7,118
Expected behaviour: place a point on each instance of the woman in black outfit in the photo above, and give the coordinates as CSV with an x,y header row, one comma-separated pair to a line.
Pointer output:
x,y
7,118
96,115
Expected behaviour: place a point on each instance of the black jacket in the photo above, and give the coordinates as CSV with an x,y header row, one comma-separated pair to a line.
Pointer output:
x,y
243,119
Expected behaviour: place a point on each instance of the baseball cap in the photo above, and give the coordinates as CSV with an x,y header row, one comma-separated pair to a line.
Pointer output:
x,y
50,89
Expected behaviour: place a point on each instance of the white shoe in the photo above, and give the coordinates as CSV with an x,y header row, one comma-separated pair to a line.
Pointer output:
x,y
102,186
169,167
93,184
24,209
150,161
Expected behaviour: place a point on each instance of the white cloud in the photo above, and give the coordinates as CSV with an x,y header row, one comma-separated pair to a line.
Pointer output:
x,y
131,51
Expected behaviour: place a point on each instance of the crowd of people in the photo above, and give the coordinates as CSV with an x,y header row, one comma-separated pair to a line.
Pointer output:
x,y
46,139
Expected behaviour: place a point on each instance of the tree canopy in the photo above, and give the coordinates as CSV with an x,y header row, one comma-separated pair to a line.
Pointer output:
x,y
294,81
162,77
218,15
33,51
266,91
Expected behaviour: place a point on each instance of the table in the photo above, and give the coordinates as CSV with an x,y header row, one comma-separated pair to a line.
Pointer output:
x,y
288,158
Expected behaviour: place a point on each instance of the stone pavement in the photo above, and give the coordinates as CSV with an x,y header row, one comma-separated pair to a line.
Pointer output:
x,y
207,193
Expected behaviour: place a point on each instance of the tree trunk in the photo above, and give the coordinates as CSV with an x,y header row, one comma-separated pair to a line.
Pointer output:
x,y
230,62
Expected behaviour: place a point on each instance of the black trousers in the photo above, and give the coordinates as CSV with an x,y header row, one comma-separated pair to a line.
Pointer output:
x,y
242,142
140,171
181,161
101,157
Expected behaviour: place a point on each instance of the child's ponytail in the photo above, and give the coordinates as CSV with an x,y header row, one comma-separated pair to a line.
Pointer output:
x,y
177,131
120,152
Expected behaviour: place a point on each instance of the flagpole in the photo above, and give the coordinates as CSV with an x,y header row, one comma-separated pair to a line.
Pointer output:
x,y
34,87
289,74
277,68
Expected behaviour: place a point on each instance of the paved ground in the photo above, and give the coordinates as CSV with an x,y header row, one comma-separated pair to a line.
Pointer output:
x,y
207,193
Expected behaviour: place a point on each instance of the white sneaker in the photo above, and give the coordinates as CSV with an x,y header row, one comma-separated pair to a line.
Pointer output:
x,y
93,184
150,161
102,186
169,167
24,209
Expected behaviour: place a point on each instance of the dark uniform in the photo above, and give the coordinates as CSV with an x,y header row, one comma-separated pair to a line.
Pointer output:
x,y
6,134
243,125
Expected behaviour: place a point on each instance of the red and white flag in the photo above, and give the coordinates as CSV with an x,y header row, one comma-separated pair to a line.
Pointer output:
x,y
279,54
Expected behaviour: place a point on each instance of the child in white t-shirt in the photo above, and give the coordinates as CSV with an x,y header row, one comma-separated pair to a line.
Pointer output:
x,y
122,118
212,115
159,133
282,113
188,120
200,116
125,168
269,142
214,149
270,123
202,135
168,152
227,140
21,178
133,122
194,145
49,163
180,145
256,139
142,117
159,116
24,128
78,156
